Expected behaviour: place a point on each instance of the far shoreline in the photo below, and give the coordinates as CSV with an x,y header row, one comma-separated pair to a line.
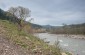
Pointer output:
x,y
74,36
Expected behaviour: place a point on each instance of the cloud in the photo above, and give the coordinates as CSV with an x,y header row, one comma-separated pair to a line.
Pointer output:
x,y
54,12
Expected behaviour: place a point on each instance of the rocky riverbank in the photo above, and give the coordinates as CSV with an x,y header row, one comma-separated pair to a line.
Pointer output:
x,y
75,36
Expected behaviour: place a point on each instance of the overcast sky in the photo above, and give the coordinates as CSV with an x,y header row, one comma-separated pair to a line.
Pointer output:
x,y
52,12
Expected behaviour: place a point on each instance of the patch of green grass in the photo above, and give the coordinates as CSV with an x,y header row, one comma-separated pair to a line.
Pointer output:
x,y
68,53
21,44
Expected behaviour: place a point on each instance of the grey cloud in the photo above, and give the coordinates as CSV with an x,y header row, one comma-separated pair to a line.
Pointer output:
x,y
54,12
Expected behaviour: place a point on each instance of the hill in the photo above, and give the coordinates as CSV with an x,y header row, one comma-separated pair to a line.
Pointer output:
x,y
16,42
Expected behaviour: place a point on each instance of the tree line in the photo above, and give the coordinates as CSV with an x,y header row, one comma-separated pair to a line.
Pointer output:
x,y
69,29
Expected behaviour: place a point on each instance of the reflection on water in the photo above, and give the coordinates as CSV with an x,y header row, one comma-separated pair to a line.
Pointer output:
x,y
76,46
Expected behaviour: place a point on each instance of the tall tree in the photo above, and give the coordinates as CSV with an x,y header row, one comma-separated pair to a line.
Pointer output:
x,y
21,13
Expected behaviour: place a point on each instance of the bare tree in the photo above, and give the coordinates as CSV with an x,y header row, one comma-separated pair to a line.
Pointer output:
x,y
21,13
12,10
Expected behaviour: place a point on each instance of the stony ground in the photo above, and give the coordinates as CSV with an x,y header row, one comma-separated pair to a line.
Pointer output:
x,y
8,48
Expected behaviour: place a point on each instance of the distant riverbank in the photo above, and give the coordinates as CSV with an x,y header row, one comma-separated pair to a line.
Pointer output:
x,y
76,36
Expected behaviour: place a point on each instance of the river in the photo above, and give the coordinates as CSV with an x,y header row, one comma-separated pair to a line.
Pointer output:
x,y
76,46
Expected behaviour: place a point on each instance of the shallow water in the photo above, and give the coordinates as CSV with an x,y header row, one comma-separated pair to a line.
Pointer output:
x,y
76,46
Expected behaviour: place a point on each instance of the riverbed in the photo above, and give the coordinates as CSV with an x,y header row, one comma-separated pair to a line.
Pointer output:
x,y
73,45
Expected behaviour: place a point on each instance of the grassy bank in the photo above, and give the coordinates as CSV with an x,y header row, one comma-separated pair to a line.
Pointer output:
x,y
27,41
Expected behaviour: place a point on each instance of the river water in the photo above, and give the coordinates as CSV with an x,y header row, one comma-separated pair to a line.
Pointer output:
x,y
76,46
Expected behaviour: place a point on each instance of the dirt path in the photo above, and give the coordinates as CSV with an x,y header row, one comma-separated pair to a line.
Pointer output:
x,y
8,48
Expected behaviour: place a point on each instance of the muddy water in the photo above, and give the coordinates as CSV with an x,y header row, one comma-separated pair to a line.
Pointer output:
x,y
76,46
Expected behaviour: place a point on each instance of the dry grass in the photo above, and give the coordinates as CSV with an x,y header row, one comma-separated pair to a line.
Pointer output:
x,y
27,41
